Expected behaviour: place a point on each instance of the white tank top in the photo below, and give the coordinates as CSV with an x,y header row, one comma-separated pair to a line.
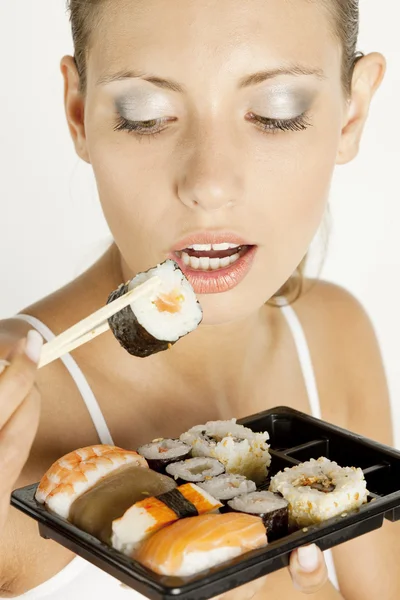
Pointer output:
x,y
80,579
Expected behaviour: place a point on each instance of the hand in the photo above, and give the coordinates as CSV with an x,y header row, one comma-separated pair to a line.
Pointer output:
x,y
19,413
307,569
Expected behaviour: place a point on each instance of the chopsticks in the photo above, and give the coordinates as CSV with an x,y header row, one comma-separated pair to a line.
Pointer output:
x,y
94,325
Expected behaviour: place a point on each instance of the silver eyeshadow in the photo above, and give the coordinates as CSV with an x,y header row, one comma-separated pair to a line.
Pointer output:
x,y
274,102
143,105
282,101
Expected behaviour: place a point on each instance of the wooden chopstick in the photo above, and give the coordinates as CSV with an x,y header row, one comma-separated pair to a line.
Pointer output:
x,y
94,325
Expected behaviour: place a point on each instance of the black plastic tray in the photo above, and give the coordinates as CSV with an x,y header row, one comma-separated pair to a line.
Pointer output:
x,y
294,437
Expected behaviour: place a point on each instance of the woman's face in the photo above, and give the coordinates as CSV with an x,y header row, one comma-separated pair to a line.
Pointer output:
x,y
236,158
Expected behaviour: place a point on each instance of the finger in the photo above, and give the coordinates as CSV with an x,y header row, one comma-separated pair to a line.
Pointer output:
x,y
3,365
17,379
308,569
16,439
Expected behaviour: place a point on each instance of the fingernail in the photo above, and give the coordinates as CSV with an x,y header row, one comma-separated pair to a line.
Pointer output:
x,y
308,557
34,343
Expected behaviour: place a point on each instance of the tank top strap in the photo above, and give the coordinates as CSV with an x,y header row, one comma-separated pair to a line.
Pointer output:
x,y
80,380
304,355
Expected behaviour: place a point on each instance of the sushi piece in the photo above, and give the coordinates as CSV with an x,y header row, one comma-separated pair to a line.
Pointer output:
x,y
192,545
78,471
95,510
195,469
238,448
271,508
150,515
226,487
155,322
160,453
319,489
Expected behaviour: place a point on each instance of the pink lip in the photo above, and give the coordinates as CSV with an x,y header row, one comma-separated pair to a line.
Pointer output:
x,y
210,237
222,280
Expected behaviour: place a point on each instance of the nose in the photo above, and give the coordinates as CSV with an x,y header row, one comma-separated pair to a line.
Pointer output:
x,y
211,178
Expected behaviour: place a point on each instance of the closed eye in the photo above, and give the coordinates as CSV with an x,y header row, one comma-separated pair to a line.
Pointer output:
x,y
154,127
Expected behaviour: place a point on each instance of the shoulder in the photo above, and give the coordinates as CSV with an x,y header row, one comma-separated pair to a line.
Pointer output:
x,y
347,358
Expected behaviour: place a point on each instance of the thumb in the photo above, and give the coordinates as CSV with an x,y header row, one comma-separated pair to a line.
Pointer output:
x,y
308,569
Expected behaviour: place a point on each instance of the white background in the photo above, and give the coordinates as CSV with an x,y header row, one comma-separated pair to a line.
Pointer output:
x,y
51,223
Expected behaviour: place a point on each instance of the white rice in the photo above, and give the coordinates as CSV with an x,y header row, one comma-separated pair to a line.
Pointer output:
x,y
170,449
308,505
258,503
238,448
195,469
226,487
195,562
164,325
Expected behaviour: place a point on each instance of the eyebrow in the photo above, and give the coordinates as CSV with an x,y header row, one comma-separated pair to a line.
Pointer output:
x,y
247,81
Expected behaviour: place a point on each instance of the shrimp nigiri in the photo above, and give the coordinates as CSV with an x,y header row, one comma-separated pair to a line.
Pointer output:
x,y
78,471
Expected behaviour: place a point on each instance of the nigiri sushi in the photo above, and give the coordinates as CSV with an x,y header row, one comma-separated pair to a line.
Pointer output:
x,y
148,516
95,510
198,543
317,490
155,322
76,472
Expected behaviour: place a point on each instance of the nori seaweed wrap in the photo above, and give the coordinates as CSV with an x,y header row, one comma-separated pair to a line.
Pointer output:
x,y
155,322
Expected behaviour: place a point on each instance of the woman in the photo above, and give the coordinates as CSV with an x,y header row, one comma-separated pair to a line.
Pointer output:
x,y
213,129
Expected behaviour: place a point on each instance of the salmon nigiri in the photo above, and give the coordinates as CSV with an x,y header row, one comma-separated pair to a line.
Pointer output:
x,y
197,543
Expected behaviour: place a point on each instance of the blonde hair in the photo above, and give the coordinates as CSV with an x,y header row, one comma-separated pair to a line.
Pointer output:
x,y
86,15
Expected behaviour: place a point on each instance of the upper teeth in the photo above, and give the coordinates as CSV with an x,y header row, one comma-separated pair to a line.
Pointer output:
x,y
216,247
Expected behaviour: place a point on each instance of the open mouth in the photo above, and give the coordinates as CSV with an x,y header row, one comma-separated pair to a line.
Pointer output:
x,y
211,257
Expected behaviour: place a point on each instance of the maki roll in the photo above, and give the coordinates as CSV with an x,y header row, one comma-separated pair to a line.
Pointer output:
x,y
199,543
155,322
195,470
226,487
271,508
145,518
160,453
238,448
319,489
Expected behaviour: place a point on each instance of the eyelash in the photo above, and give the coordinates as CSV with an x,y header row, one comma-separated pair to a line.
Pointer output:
x,y
265,124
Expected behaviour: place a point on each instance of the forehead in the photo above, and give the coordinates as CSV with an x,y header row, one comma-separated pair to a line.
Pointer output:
x,y
206,38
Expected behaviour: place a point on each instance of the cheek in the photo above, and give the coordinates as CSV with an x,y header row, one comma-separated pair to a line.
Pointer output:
x,y
297,172
129,194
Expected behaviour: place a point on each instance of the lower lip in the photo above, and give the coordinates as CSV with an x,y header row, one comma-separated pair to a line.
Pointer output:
x,y
222,280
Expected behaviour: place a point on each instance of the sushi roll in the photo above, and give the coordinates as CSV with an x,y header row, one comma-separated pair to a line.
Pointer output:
x,y
226,487
319,489
238,448
271,508
160,453
148,516
195,470
192,545
155,322
76,472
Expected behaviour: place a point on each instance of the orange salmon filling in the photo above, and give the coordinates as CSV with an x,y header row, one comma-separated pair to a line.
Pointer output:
x,y
171,302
